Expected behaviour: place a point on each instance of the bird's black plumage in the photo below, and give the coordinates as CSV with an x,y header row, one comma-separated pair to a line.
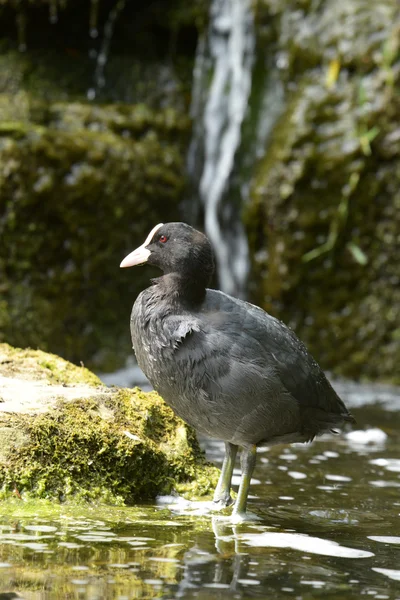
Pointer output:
x,y
225,366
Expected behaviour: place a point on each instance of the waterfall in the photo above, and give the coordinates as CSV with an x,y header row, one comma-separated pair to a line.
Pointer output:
x,y
221,90
102,56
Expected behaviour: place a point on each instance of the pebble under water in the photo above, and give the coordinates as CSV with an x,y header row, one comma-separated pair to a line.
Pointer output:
x,y
328,526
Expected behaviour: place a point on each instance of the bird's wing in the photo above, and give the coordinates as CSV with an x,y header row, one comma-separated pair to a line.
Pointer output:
x,y
230,369
299,372
238,350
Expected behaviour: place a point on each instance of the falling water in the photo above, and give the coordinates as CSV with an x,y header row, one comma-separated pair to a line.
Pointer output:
x,y
225,58
21,29
102,56
53,11
93,18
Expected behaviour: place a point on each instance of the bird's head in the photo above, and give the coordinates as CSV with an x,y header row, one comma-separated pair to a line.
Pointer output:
x,y
176,248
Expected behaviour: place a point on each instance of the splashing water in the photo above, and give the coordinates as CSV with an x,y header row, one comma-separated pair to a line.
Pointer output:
x,y
226,57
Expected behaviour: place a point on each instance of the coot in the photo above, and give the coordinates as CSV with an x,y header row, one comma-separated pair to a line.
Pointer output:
x,y
225,366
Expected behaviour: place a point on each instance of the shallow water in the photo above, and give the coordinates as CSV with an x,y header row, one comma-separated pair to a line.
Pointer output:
x,y
329,526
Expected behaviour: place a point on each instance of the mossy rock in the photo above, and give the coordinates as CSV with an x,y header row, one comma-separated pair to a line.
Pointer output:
x,y
82,182
76,195
323,218
70,438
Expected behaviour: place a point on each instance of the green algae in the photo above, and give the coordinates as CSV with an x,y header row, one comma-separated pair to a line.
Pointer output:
x,y
117,446
324,205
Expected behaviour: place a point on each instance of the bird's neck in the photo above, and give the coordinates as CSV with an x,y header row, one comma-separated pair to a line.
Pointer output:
x,y
181,289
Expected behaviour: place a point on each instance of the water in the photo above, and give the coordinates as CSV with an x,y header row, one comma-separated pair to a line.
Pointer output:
x,y
102,56
221,89
329,526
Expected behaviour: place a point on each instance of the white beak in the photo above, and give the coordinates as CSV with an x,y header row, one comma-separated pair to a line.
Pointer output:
x,y
137,257
141,254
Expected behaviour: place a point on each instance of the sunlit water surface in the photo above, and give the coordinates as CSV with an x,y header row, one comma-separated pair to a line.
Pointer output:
x,y
329,527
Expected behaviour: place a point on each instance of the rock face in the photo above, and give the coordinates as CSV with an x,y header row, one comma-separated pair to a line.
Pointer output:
x,y
324,211
76,194
92,149
93,139
65,436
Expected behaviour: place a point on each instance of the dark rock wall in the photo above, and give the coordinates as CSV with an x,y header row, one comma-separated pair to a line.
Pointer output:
x,y
92,156
324,215
82,182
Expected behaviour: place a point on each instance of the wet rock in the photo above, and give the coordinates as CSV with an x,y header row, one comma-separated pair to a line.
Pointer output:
x,y
65,436
323,217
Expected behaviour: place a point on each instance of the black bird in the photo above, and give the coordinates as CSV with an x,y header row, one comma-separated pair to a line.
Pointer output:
x,y
225,366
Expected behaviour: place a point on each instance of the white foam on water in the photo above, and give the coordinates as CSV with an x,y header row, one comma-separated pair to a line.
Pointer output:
x,y
303,543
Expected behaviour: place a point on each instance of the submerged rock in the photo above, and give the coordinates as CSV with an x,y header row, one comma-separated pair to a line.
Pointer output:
x,y
65,436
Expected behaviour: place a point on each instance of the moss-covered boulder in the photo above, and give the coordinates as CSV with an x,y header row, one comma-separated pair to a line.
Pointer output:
x,y
80,186
93,131
324,214
75,196
65,436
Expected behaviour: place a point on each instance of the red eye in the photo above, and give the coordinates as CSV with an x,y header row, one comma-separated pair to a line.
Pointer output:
x,y
163,239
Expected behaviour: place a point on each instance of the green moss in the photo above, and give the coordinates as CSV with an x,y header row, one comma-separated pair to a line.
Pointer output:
x,y
83,182
312,35
325,201
75,197
35,364
118,447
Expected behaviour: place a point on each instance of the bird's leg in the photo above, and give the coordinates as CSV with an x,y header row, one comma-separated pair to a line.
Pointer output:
x,y
247,463
222,494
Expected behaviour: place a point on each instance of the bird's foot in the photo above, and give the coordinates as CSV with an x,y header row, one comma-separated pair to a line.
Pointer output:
x,y
221,503
241,517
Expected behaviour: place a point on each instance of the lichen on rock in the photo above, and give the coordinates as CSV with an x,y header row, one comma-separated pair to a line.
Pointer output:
x,y
113,445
